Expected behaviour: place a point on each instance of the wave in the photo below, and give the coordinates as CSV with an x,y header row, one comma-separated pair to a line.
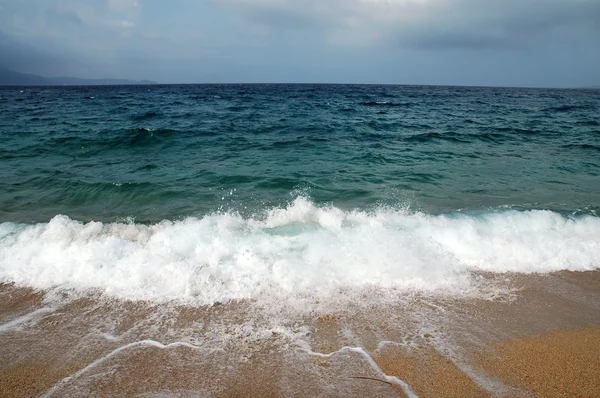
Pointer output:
x,y
144,137
299,249
591,147
122,138
568,108
435,136
588,123
146,116
386,104
496,135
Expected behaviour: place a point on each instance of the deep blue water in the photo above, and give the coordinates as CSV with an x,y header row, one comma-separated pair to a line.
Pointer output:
x,y
169,152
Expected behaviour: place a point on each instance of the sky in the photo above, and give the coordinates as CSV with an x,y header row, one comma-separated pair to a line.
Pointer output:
x,y
540,43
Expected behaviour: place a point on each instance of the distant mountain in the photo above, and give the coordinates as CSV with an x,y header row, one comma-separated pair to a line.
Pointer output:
x,y
11,78
74,81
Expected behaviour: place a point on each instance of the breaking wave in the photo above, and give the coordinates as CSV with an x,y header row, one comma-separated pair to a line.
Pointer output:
x,y
296,250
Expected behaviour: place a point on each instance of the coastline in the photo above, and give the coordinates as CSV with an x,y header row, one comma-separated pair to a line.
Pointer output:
x,y
544,341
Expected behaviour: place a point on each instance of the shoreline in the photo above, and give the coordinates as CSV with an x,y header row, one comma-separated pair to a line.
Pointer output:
x,y
543,342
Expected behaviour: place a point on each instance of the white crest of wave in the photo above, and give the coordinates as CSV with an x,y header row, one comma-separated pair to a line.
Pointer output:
x,y
301,249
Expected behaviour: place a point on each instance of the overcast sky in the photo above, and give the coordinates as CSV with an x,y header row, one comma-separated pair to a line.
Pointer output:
x,y
465,42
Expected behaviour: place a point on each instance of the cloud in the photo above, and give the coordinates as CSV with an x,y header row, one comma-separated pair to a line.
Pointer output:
x,y
123,5
23,57
307,40
126,13
56,37
423,23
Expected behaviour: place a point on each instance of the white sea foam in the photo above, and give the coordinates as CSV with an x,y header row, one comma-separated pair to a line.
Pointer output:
x,y
301,249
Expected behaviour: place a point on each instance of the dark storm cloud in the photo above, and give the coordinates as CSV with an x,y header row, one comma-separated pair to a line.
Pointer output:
x,y
26,58
430,24
508,24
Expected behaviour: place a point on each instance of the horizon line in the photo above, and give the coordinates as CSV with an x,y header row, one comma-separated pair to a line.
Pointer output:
x,y
154,83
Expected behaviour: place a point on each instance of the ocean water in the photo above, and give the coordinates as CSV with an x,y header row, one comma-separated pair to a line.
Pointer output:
x,y
209,193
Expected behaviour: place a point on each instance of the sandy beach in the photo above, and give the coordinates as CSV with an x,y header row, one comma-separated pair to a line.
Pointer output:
x,y
559,364
543,340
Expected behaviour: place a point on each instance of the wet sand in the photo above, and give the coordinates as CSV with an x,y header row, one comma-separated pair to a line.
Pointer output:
x,y
559,364
542,340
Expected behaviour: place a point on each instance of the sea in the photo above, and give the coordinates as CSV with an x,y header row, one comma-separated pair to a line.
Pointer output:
x,y
210,193
239,240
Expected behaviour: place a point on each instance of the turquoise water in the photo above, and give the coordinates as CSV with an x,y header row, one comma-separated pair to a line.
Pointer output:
x,y
169,152
211,193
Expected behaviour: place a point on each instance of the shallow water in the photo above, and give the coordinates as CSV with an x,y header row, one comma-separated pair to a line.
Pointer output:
x,y
63,343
